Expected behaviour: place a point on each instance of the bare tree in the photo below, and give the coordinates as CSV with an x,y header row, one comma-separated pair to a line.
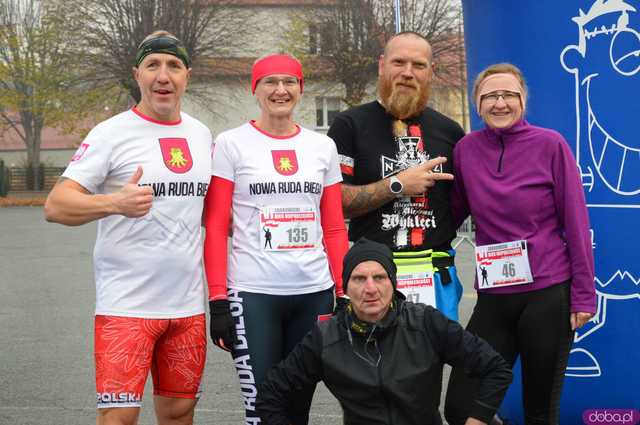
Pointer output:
x,y
118,26
341,43
345,40
41,78
438,21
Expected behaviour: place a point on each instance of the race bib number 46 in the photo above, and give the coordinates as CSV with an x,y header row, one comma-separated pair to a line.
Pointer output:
x,y
503,264
288,228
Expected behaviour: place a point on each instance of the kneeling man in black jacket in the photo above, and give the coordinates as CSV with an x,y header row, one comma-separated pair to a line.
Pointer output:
x,y
382,356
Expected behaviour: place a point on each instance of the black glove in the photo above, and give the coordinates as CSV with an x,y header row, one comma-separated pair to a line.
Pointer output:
x,y
341,304
222,327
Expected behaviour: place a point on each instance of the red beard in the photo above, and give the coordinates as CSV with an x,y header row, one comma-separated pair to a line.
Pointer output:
x,y
401,103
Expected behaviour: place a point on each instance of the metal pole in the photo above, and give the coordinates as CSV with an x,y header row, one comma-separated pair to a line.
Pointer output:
x,y
397,16
463,81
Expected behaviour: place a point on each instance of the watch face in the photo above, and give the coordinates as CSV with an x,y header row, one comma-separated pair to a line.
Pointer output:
x,y
396,186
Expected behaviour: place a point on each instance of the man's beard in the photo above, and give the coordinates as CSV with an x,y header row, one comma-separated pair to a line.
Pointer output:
x,y
403,104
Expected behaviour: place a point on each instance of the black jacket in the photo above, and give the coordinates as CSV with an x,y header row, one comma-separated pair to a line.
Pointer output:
x,y
392,377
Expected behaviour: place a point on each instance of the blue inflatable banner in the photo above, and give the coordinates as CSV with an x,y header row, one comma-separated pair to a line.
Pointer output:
x,y
581,60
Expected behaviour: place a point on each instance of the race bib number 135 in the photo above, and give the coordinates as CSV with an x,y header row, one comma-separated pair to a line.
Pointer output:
x,y
288,228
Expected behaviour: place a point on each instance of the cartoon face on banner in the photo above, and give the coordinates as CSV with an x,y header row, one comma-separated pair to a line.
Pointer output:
x,y
606,68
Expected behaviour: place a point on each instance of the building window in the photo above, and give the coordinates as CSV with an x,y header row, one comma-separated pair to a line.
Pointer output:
x,y
326,110
321,39
314,45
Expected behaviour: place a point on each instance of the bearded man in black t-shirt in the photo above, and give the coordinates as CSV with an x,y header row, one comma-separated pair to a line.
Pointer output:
x,y
395,156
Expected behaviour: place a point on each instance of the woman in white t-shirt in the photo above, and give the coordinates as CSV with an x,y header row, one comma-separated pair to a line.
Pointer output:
x,y
281,182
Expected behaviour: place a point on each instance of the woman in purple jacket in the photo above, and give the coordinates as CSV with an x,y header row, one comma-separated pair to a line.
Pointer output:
x,y
534,258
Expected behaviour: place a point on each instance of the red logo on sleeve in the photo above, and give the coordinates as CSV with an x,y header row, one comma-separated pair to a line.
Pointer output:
x,y
285,162
81,150
175,154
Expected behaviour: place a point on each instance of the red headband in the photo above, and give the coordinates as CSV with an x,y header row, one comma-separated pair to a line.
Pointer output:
x,y
275,64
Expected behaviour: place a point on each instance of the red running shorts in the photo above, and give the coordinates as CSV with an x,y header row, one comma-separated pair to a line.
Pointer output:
x,y
127,348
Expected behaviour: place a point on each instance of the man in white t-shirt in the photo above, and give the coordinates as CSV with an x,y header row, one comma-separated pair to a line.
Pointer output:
x,y
143,175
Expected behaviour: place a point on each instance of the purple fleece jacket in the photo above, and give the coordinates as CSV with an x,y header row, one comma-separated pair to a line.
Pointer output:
x,y
523,183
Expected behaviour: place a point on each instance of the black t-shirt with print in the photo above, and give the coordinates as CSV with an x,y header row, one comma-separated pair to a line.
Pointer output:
x,y
370,152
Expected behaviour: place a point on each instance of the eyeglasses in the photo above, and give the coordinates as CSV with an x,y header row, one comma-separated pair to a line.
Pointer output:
x,y
274,82
509,97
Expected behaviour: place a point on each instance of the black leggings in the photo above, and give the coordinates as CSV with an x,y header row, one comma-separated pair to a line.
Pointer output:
x,y
534,325
268,328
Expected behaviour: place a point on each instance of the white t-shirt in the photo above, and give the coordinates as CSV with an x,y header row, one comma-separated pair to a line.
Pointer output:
x,y
149,266
278,184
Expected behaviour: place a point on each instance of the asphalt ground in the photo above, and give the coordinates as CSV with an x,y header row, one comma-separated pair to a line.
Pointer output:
x,y
47,299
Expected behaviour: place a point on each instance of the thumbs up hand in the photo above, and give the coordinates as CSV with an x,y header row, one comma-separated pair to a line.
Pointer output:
x,y
132,200
135,178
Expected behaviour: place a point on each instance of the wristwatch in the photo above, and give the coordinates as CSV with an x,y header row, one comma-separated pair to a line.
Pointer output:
x,y
395,185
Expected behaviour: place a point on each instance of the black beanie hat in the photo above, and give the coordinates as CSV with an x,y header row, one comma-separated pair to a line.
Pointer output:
x,y
367,250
